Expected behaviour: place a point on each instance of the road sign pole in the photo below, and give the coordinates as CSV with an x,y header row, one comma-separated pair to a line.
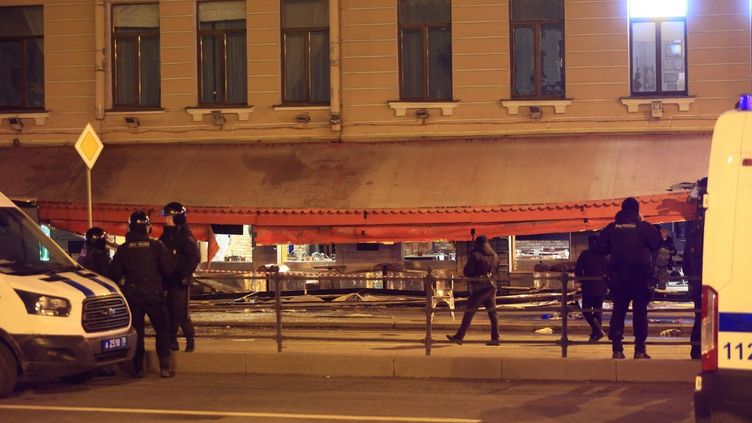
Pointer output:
x,y
89,146
88,194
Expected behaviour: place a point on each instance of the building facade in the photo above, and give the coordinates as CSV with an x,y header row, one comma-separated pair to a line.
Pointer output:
x,y
407,104
365,71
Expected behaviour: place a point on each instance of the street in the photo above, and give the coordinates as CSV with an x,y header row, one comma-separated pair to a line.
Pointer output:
x,y
262,398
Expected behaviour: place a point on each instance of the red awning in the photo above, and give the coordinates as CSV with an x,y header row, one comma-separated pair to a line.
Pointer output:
x,y
301,226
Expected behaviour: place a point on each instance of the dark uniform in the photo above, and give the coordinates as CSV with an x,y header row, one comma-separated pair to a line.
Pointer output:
x,y
594,266
143,263
663,259
480,263
181,243
95,256
631,243
692,263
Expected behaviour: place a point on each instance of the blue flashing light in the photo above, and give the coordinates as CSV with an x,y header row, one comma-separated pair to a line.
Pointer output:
x,y
745,102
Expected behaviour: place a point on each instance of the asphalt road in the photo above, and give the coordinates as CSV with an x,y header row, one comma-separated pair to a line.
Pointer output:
x,y
254,398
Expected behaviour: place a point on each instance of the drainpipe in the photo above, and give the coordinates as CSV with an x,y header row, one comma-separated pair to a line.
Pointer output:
x,y
335,119
99,63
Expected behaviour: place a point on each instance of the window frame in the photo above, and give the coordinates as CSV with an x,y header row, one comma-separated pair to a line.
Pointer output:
x,y
214,33
536,26
424,28
659,58
306,31
23,41
113,46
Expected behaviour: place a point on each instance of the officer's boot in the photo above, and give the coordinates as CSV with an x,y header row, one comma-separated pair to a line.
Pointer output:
x,y
190,344
165,369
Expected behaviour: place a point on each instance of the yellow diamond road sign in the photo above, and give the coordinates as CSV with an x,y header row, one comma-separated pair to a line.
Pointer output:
x,y
89,146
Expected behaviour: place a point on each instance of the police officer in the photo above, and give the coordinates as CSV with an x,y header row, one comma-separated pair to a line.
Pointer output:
x,y
692,262
594,267
95,256
143,263
631,243
178,238
481,263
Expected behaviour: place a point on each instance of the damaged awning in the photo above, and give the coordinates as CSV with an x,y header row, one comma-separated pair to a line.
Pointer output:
x,y
361,192
280,226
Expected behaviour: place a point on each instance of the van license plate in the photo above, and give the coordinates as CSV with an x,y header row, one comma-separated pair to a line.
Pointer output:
x,y
114,343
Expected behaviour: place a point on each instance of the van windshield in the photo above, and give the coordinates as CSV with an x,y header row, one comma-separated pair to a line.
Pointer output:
x,y
25,249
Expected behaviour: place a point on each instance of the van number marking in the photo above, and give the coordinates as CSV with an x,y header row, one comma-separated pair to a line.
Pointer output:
x,y
114,343
738,351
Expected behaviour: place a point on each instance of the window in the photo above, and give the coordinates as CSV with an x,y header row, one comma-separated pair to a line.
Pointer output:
x,y
135,55
21,58
537,39
425,44
305,51
24,250
222,53
535,251
658,47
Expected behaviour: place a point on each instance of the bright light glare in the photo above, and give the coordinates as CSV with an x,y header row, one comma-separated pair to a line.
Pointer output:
x,y
657,8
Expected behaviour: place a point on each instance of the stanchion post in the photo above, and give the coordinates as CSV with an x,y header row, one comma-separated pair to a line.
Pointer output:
x,y
277,307
384,274
428,287
564,311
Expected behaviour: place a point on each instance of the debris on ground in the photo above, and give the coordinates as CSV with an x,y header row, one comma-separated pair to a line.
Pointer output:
x,y
352,297
670,332
303,299
545,331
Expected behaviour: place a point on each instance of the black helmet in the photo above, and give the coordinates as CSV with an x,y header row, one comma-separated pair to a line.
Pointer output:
x,y
139,218
176,210
96,237
139,221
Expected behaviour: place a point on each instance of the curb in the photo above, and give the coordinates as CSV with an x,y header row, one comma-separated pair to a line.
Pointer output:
x,y
460,368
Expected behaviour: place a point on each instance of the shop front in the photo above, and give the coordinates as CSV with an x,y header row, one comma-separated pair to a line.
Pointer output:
x,y
362,206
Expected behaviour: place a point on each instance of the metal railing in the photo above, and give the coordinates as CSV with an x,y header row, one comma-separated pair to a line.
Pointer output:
x,y
275,281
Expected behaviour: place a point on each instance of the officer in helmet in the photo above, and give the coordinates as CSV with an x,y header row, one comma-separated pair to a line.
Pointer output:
x,y
178,238
140,266
94,255
631,242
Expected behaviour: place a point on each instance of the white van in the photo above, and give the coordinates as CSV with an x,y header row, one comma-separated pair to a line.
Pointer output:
x,y
56,318
722,390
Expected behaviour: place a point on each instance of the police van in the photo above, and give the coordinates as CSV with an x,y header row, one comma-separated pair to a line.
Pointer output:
x,y
723,390
56,318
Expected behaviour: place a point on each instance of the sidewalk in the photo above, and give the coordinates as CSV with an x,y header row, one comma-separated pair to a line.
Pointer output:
x,y
378,345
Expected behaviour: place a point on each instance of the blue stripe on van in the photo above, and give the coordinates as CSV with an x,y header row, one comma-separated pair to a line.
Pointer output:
x,y
735,322
57,278
93,277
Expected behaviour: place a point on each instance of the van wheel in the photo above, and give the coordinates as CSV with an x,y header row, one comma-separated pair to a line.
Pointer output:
x,y
8,371
79,378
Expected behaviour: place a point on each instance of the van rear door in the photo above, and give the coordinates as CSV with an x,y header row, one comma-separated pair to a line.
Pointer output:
x,y
728,237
